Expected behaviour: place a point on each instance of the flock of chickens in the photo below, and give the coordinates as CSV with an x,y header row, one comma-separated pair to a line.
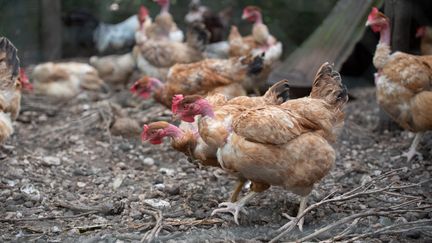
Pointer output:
x,y
267,140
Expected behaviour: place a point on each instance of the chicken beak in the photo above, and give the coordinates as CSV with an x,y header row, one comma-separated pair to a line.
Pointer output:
x,y
368,23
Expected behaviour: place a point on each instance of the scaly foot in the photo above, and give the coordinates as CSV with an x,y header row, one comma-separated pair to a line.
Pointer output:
x,y
291,223
410,154
233,208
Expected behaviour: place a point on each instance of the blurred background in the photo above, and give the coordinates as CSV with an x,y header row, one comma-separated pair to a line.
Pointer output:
x,y
46,30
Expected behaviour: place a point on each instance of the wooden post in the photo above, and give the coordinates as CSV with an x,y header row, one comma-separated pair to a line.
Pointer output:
x,y
400,14
51,29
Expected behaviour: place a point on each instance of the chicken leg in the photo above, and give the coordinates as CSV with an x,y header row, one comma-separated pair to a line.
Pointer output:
x,y
239,185
412,150
236,207
302,207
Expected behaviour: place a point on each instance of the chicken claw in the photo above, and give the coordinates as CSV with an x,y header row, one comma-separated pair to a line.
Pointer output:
x,y
233,208
290,223
300,222
412,152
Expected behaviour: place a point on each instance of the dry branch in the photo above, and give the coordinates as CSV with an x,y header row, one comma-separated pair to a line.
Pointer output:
x,y
150,235
363,190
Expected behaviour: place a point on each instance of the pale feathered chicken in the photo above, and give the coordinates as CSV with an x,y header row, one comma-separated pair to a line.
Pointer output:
x,y
114,69
164,27
209,75
154,57
258,42
403,83
115,36
65,80
284,145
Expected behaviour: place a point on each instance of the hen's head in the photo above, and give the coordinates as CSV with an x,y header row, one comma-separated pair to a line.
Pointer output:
x,y
186,108
328,86
145,86
142,14
377,20
156,131
421,31
252,14
23,80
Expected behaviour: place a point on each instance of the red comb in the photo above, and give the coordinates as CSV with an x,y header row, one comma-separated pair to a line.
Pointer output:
x,y
175,101
144,133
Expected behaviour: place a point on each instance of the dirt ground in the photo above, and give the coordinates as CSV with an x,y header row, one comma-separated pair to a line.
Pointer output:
x,y
64,178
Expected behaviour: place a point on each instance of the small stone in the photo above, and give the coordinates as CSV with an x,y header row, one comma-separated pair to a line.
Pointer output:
x,y
148,161
173,190
31,192
413,234
157,203
55,229
385,221
118,181
135,214
81,184
5,193
160,186
50,160
125,147
28,204
121,165
167,171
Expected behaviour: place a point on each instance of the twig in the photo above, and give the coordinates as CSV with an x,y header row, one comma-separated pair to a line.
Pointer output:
x,y
192,222
389,229
86,228
150,235
48,217
359,191
107,208
371,212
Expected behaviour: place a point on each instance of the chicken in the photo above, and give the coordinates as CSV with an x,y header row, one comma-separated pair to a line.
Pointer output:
x,y
186,139
145,22
284,145
122,125
425,33
114,69
403,83
115,36
164,27
215,23
202,77
153,57
65,80
260,41
10,87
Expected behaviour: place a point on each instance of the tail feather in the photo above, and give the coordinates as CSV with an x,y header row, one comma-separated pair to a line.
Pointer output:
x,y
8,54
198,36
328,86
279,92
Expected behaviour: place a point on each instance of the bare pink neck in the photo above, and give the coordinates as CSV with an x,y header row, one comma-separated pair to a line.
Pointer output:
x,y
174,132
258,19
207,109
165,7
385,35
